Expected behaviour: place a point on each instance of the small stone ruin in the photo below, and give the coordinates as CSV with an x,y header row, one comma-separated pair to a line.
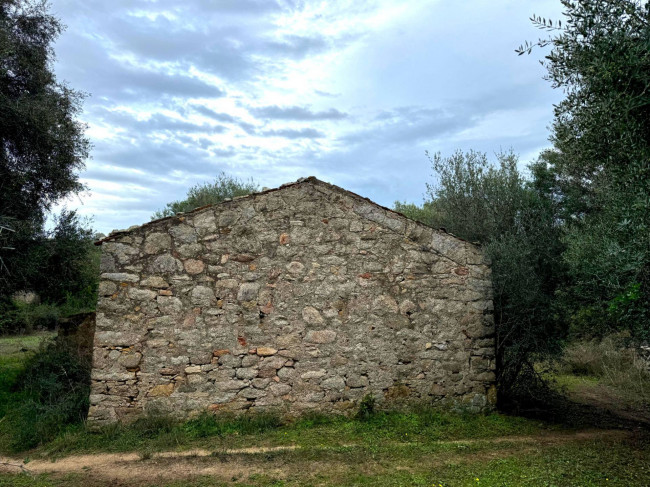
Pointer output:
x,y
302,298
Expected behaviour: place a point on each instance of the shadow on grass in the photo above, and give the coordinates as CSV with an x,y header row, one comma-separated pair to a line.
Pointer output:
x,y
555,406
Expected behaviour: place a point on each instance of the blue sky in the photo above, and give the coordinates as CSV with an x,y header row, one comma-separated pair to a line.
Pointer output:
x,y
352,92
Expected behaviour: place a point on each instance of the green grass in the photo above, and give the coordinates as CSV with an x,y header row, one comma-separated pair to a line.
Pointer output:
x,y
157,433
43,388
14,351
573,382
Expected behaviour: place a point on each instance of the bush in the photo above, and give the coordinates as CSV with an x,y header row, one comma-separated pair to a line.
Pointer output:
x,y
56,264
18,317
55,385
366,407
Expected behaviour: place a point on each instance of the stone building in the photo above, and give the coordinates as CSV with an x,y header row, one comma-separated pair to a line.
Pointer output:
x,y
305,297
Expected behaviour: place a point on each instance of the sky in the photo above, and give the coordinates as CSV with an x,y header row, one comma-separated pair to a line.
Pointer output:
x,y
352,92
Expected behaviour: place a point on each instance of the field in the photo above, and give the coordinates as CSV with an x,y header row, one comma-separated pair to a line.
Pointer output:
x,y
588,447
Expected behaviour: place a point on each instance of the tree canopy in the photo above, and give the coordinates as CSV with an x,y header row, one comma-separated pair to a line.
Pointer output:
x,y
202,194
600,163
43,143
42,149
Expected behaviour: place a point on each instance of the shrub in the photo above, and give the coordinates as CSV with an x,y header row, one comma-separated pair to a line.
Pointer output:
x,y
366,407
18,317
55,384
223,187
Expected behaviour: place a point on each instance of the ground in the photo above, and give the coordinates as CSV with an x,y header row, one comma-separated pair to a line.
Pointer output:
x,y
420,448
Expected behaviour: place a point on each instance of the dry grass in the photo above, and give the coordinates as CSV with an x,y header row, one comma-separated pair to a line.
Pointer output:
x,y
613,364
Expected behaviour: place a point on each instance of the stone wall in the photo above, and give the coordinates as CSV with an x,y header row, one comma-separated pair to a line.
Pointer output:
x,y
303,298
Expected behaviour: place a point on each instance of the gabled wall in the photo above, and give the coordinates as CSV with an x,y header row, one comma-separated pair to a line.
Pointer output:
x,y
303,298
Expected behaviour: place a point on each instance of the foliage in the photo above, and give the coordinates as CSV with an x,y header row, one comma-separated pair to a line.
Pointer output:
x,y
427,213
43,144
16,317
366,407
223,187
614,364
473,198
600,57
61,265
42,148
515,221
54,387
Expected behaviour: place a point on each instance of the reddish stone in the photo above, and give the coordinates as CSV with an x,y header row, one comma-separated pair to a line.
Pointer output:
x,y
190,318
242,257
267,308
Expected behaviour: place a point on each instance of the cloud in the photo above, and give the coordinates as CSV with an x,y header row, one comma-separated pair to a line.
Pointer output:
x,y
276,112
306,133
218,116
352,92
156,122
297,46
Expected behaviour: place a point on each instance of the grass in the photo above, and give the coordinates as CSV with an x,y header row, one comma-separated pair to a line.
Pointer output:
x,y
612,364
158,433
14,350
602,462
40,392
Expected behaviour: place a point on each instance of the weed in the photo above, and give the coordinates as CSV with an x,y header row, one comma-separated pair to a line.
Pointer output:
x,y
145,454
207,424
366,408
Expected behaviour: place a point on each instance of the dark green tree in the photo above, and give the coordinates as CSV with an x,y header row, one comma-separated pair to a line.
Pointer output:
x,y
42,143
514,220
600,165
223,187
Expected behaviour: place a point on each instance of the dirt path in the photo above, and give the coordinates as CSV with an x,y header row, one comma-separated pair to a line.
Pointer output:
x,y
132,469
